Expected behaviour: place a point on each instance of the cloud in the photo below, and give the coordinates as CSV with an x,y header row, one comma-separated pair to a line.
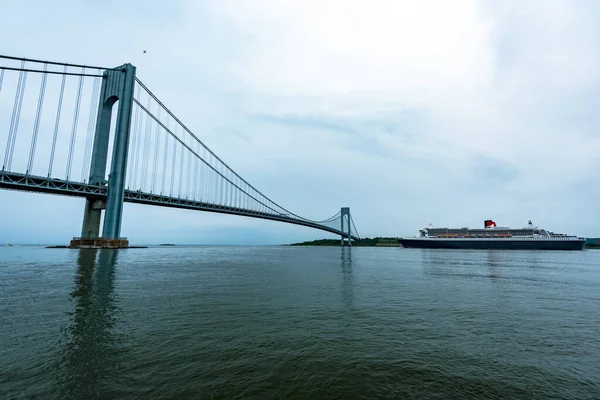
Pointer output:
x,y
408,112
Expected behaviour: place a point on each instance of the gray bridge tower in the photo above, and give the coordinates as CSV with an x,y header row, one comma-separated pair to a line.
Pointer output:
x,y
346,213
117,85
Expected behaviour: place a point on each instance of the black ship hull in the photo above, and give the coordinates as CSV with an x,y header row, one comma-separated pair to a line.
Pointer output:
x,y
500,244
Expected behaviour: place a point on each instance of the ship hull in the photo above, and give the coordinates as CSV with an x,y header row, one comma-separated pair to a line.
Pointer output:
x,y
500,244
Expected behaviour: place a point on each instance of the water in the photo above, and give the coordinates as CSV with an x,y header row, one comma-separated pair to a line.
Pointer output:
x,y
289,322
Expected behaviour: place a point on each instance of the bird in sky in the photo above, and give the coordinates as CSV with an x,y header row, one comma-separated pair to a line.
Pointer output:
x,y
144,51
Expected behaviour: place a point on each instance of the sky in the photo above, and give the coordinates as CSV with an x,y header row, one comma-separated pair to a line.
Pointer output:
x,y
410,113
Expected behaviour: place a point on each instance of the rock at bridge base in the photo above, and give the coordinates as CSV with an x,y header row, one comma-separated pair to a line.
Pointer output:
x,y
99,243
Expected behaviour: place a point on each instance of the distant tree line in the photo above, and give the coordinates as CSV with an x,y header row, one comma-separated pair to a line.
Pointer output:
x,y
592,243
381,241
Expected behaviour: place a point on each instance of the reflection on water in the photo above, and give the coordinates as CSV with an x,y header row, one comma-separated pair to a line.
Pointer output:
x,y
494,261
347,290
488,263
89,351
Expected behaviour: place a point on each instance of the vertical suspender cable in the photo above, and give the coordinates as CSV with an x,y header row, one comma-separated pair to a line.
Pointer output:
x,y
219,182
194,174
354,227
206,186
74,128
227,187
248,199
181,169
234,190
134,140
185,172
196,185
258,203
143,139
16,115
188,192
196,169
224,187
238,193
131,150
224,184
138,144
230,189
201,175
1,80
215,177
89,140
222,181
146,153
57,123
211,175
17,120
242,195
164,172
144,166
173,163
215,183
204,176
190,171
36,125
156,143
12,119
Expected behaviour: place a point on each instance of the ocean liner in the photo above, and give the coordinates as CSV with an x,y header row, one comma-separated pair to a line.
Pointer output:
x,y
494,237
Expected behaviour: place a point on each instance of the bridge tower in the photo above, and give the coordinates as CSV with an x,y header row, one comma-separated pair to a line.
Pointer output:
x,y
346,213
117,85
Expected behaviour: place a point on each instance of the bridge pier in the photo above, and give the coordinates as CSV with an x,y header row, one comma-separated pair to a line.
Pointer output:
x,y
117,85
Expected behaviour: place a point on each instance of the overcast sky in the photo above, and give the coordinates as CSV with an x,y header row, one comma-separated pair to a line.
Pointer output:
x,y
408,112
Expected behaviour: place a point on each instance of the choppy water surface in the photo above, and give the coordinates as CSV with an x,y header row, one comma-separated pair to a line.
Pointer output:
x,y
289,322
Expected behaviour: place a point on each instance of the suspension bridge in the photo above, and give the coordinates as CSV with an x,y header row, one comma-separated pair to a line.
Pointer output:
x,y
57,122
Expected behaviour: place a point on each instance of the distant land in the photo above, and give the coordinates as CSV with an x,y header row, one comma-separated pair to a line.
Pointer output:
x,y
592,243
372,242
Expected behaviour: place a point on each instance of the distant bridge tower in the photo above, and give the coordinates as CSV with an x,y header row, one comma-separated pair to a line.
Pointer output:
x,y
346,213
117,85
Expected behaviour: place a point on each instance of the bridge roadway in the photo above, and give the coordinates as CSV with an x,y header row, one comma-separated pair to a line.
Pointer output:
x,y
39,184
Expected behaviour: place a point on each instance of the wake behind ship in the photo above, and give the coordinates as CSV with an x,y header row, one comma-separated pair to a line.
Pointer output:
x,y
494,237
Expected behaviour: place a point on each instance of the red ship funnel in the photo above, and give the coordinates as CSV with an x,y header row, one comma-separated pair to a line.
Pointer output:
x,y
488,223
